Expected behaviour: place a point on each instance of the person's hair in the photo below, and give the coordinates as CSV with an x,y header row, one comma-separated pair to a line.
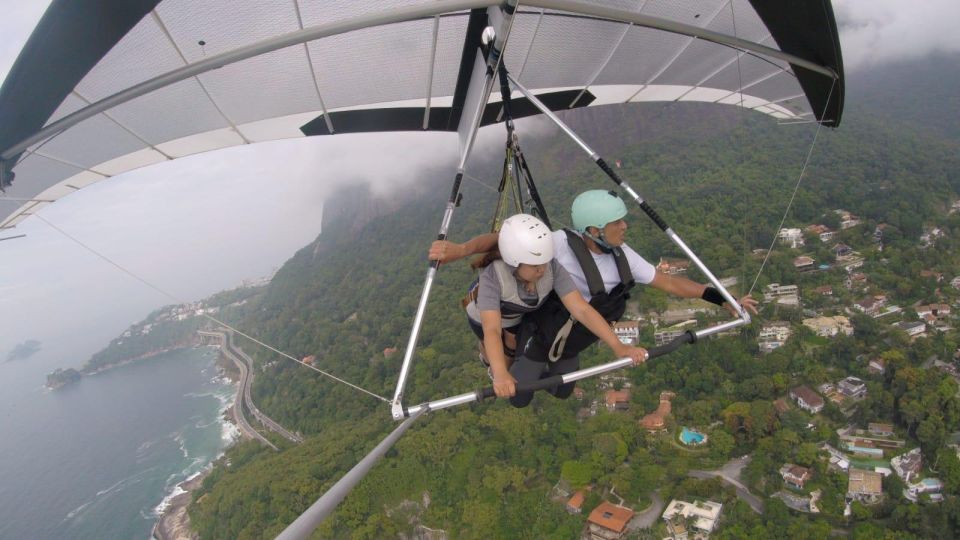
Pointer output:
x,y
485,259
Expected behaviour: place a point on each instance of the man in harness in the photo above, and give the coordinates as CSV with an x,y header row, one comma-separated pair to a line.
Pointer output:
x,y
602,267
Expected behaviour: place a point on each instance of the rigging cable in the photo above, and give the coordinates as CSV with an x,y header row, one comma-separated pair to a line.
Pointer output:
x,y
796,187
214,319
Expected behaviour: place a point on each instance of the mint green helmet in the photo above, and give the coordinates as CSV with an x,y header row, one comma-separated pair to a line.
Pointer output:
x,y
596,208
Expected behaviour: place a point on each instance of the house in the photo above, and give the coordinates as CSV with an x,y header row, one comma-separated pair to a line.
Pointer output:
x,y
791,237
628,332
871,305
795,476
575,504
865,486
703,514
788,295
389,351
876,366
608,521
863,448
825,290
912,328
807,399
829,326
656,421
931,274
864,443
773,335
847,219
578,393
821,231
838,460
936,311
309,360
841,251
908,465
880,430
617,400
803,263
662,337
855,279
852,387
673,267
955,282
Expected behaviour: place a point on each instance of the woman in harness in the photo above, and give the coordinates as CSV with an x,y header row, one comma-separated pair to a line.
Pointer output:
x,y
519,283
602,267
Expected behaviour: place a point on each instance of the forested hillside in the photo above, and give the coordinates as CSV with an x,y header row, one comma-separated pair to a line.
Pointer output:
x,y
721,177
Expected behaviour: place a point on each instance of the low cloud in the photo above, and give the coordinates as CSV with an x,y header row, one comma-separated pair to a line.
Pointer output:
x,y
874,32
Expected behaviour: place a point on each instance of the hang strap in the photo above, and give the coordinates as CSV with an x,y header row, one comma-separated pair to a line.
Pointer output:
x,y
589,266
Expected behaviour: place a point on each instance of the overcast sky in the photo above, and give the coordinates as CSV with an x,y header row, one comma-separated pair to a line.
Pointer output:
x,y
204,223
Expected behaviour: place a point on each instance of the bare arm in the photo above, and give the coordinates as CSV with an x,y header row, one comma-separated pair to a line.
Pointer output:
x,y
589,317
504,385
685,288
677,286
446,251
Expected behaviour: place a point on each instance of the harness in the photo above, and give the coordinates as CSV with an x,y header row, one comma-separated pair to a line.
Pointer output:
x,y
512,305
551,333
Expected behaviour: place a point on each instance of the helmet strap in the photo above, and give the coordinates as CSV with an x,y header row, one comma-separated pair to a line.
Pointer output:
x,y
601,242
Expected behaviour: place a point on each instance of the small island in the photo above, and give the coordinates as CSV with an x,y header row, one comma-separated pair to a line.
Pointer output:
x,y
24,350
62,377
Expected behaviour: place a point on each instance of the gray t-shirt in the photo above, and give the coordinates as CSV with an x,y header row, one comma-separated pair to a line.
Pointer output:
x,y
488,296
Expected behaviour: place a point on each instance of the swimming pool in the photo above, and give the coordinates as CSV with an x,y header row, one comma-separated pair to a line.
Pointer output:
x,y
691,437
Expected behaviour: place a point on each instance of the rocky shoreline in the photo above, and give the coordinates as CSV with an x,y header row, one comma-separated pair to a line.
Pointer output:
x,y
174,522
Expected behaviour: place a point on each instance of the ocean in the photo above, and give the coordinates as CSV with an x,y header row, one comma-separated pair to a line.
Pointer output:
x,y
100,458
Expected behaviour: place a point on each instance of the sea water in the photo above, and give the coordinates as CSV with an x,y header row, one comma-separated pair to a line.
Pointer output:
x,y
101,458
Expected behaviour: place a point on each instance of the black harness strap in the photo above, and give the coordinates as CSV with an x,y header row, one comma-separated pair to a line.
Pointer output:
x,y
589,266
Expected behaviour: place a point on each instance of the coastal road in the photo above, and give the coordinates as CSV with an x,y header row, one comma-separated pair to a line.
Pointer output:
x,y
730,473
238,414
239,357
267,422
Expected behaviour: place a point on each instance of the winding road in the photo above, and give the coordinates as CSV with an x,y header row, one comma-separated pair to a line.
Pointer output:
x,y
245,364
730,473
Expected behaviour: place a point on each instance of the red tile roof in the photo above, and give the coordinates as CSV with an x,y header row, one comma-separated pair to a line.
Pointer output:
x,y
610,516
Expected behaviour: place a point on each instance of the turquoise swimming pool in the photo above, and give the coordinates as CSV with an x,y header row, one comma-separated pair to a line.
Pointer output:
x,y
691,437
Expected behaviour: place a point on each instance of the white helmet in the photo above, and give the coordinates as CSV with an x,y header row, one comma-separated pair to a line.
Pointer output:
x,y
525,239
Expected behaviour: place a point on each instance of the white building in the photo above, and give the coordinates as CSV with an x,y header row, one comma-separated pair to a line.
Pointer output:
x,y
912,328
908,466
788,295
628,332
705,515
662,337
829,326
774,335
791,237
807,399
852,387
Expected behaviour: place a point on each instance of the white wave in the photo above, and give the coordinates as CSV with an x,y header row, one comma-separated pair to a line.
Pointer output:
x,y
103,493
159,509
229,432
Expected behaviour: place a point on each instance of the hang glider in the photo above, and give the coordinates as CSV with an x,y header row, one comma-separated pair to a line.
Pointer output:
x,y
93,95
106,86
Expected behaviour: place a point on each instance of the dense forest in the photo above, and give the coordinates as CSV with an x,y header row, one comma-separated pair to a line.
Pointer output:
x,y
721,178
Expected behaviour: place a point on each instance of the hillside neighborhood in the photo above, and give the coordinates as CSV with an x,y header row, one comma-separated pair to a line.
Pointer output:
x,y
830,290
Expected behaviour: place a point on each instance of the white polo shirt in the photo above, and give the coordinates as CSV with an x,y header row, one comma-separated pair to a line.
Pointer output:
x,y
643,271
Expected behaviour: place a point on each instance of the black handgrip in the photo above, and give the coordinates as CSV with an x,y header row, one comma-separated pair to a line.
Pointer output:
x,y
610,172
557,380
